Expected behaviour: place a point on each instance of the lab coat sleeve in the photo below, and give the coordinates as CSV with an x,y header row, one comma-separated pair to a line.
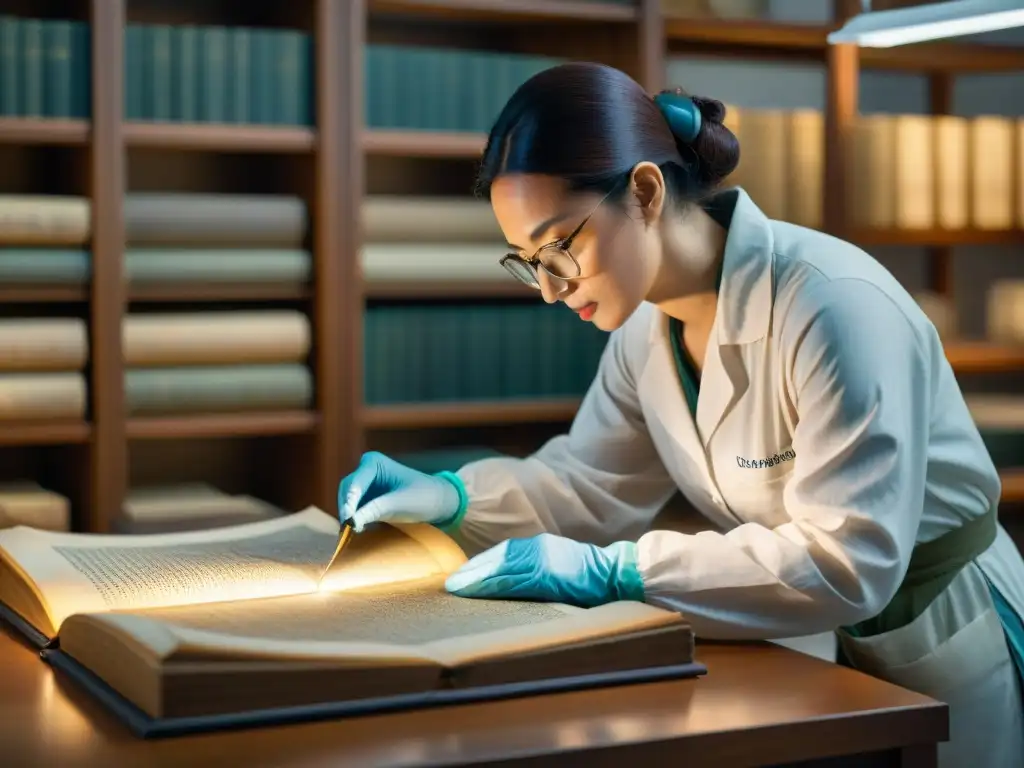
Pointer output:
x,y
859,375
601,482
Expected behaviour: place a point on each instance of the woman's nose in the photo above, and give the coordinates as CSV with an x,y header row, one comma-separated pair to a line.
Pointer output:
x,y
551,288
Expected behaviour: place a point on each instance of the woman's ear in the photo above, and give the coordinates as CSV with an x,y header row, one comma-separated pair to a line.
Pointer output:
x,y
647,185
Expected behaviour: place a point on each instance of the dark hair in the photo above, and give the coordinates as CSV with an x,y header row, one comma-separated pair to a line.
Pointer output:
x,y
590,124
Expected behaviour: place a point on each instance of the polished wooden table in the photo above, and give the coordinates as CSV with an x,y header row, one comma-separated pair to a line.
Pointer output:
x,y
759,705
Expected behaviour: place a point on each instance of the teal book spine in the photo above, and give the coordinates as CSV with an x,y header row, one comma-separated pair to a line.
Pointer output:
x,y
133,66
81,70
186,74
33,61
261,90
160,74
58,68
214,74
241,76
10,66
286,77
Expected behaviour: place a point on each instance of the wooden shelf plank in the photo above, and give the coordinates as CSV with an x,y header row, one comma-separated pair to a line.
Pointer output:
x,y
983,357
38,130
413,143
48,432
43,294
729,37
766,39
223,425
469,414
168,292
220,137
509,10
937,237
448,289
1013,485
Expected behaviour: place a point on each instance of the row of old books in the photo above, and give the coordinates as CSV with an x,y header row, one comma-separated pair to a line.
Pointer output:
x,y
1004,312
903,172
475,351
175,363
218,74
44,68
255,75
170,239
147,509
256,360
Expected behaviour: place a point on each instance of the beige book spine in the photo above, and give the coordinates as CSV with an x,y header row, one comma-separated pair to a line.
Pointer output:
x,y
209,338
952,183
870,172
28,503
26,396
1004,316
1019,167
806,151
763,138
992,173
433,261
404,218
913,172
43,344
44,220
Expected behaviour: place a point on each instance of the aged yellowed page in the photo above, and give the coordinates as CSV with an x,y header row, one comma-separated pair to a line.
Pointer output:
x,y
74,573
388,623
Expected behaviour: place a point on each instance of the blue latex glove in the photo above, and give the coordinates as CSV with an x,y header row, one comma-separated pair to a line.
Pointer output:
x,y
381,489
551,568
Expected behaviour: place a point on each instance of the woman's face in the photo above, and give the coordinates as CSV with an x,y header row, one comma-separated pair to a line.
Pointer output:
x,y
534,211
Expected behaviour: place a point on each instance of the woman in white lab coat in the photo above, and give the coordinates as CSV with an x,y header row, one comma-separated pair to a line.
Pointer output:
x,y
780,378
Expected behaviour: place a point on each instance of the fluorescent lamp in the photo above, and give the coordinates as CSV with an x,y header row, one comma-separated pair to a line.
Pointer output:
x,y
883,29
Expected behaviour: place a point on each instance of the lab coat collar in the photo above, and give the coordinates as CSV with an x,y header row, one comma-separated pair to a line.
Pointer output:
x,y
745,295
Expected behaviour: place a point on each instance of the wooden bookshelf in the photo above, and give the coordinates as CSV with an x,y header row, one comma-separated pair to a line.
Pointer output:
x,y
1013,486
937,237
234,138
327,164
423,143
502,10
45,433
983,357
214,292
467,414
462,289
32,131
223,425
43,294
808,42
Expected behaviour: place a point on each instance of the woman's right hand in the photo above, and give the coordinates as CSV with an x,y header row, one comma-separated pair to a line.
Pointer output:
x,y
381,489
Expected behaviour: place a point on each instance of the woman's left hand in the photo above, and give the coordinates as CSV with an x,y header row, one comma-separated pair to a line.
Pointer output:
x,y
551,568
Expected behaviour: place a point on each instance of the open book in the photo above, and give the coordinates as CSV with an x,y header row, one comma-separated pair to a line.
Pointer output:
x,y
197,624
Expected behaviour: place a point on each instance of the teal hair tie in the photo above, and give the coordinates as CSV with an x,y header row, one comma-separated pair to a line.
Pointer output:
x,y
682,115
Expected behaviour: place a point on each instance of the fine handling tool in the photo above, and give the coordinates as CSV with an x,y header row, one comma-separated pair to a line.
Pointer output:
x,y
343,538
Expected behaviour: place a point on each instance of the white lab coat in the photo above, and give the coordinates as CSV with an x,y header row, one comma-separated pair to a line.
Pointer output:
x,y
830,437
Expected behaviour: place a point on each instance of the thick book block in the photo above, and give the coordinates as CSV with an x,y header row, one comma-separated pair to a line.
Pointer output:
x,y
215,338
243,623
43,344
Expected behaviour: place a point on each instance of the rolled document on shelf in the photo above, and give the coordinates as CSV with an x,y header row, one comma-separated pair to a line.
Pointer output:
x,y
434,261
424,219
216,338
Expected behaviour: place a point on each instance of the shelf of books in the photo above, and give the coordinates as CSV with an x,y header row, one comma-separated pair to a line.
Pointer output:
x,y
454,349
46,236
207,318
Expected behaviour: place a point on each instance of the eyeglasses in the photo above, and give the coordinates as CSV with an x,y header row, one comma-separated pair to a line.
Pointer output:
x,y
554,258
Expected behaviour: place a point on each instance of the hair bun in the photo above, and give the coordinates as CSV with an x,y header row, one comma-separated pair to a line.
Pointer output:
x,y
715,148
712,110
